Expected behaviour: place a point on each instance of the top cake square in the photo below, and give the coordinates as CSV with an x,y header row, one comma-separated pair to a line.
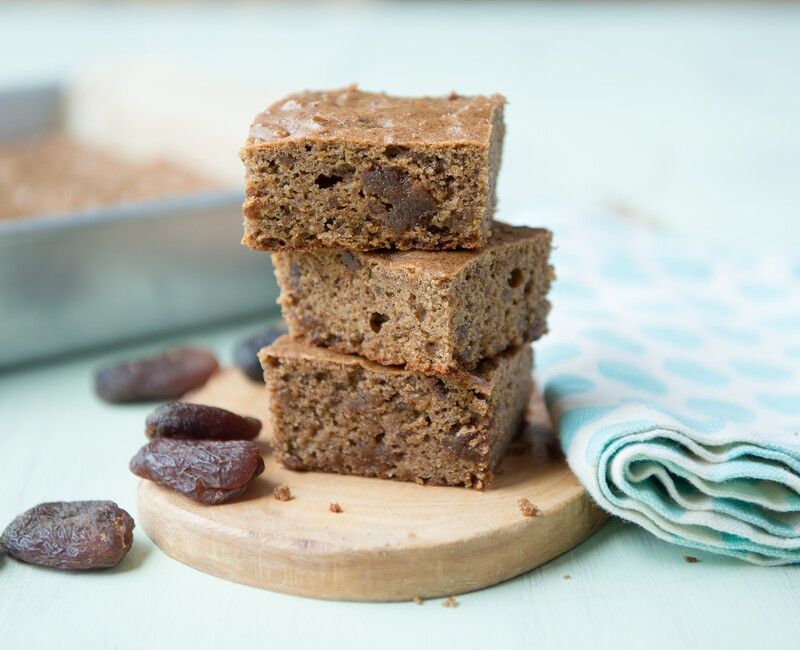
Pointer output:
x,y
362,171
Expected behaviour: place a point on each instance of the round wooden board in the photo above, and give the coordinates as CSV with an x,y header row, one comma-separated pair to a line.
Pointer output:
x,y
392,540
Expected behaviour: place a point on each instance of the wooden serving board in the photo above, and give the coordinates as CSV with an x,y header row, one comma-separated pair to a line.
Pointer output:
x,y
392,540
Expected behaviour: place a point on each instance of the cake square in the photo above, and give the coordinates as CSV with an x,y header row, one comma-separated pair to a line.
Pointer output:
x,y
429,311
363,171
341,413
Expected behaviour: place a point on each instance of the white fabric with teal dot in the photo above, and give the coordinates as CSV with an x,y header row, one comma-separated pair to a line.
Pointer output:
x,y
672,373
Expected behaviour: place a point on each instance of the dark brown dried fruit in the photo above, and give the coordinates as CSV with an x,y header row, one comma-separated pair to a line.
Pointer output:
x,y
246,353
167,376
208,471
403,201
70,535
199,422
350,260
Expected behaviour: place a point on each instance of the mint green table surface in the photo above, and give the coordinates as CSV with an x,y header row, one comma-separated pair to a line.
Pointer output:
x,y
625,588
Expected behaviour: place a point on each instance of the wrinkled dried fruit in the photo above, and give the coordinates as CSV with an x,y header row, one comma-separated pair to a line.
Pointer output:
x,y
199,422
246,353
70,535
167,376
208,471
402,201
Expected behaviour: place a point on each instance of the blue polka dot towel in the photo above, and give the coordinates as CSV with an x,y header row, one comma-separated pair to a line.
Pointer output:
x,y
672,373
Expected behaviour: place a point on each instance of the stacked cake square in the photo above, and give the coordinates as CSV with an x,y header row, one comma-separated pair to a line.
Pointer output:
x,y
410,310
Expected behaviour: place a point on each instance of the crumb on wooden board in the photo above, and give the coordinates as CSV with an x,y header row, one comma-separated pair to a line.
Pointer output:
x,y
527,508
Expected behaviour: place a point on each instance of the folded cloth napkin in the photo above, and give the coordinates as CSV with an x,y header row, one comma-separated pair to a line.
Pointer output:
x,y
672,373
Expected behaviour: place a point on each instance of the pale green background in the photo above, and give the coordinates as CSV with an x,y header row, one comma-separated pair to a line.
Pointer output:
x,y
687,114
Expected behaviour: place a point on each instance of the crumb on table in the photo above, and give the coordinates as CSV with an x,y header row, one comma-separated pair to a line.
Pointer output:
x,y
335,507
282,493
418,600
450,602
690,559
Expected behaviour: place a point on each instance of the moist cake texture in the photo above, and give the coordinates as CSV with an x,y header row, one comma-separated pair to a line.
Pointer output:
x,y
428,311
362,171
345,414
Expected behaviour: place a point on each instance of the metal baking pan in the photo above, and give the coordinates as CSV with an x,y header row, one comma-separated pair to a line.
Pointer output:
x,y
78,281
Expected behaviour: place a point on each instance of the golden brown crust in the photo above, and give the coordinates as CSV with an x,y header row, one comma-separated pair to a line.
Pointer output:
x,y
288,347
376,118
446,264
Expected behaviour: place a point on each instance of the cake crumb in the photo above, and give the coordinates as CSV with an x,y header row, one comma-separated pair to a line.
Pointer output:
x,y
335,507
567,577
450,602
690,559
528,509
282,493
418,600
